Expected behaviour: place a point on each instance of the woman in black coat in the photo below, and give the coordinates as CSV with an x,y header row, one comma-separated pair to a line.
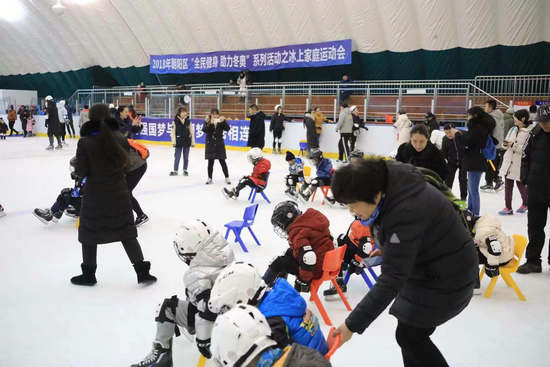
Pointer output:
x,y
421,152
475,139
214,126
256,132
277,126
312,137
106,210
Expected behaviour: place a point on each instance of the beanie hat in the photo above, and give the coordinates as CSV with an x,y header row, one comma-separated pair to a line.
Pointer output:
x,y
289,156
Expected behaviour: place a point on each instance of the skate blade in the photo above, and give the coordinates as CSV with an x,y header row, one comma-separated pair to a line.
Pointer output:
x,y
142,223
225,194
46,222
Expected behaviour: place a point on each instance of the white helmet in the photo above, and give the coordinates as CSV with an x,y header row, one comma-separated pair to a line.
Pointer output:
x,y
190,237
238,283
254,154
277,107
49,98
62,102
239,336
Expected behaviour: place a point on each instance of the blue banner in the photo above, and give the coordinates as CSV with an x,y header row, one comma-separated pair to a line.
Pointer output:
x,y
160,130
294,56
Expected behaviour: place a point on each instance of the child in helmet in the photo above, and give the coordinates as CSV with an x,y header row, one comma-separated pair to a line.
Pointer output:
x,y
324,172
207,253
295,173
257,179
309,239
286,311
495,248
242,338
68,201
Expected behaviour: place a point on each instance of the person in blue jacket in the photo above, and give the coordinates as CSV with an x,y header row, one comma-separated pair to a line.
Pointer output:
x,y
324,172
285,310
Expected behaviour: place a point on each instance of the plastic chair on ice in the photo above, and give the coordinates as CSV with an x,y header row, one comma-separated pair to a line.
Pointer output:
x,y
254,191
365,277
331,268
238,225
520,242
333,343
303,147
324,190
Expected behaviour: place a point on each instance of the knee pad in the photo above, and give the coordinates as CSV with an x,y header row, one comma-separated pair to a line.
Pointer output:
x,y
168,304
65,195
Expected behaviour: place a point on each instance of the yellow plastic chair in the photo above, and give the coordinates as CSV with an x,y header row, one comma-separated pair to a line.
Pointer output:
x,y
77,222
202,361
520,242
307,173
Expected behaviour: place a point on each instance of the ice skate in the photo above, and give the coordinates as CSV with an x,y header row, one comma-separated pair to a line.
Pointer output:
x,y
59,147
159,357
46,216
486,188
499,186
173,173
142,219
142,271
209,181
328,293
227,181
72,212
229,194
50,147
185,173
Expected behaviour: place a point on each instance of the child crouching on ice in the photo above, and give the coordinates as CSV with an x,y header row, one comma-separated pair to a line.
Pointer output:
x,y
309,239
324,173
286,311
495,248
257,179
295,173
206,253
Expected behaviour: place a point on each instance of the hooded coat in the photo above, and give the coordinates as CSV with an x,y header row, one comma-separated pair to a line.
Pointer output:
x,y
214,143
403,125
310,229
261,172
256,132
430,263
475,140
489,226
53,118
311,131
511,161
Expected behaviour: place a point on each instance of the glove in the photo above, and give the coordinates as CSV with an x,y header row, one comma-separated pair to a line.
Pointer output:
x,y
301,286
204,347
356,267
492,271
343,239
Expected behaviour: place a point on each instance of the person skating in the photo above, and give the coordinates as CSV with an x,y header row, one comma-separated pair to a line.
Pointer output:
x,y
183,138
62,114
309,239
242,337
69,200
52,123
286,311
258,178
206,253
324,171
295,174
276,126
12,117
214,127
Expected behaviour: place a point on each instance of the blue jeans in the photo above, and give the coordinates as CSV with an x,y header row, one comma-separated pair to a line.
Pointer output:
x,y
177,157
473,191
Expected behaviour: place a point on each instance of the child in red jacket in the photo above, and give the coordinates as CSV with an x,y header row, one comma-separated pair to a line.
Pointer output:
x,y
257,179
309,240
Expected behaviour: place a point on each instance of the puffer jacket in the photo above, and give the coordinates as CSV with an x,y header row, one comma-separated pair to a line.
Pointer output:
x,y
403,125
319,118
311,132
324,168
535,164
430,158
429,261
285,302
310,229
489,226
260,172
61,112
475,140
345,122
211,258
498,131
511,162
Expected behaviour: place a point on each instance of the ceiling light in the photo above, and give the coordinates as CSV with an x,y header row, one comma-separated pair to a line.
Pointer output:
x,y
11,10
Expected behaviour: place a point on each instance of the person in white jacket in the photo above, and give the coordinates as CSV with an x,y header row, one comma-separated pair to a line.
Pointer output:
x,y
495,247
345,128
403,126
62,113
511,163
207,253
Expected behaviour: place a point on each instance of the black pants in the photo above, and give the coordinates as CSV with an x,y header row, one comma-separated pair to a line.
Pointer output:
x,y
132,179
211,168
277,135
51,136
12,130
62,131
491,176
417,348
70,128
246,181
344,145
292,180
24,127
64,200
462,180
131,246
353,141
538,204
280,267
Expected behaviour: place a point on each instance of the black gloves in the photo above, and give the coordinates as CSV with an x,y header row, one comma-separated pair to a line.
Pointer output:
x,y
492,270
355,266
301,286
204,347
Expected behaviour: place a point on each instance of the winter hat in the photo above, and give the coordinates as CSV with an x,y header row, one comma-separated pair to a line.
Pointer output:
x,y
276,107
289,156
543,113
352,108
49,98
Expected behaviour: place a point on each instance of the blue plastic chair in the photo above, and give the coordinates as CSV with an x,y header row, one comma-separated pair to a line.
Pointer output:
x,y
254,191
303,147
238,225
364,276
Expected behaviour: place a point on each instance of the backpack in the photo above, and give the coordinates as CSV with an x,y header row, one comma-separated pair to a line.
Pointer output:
x,y
140,148
490,150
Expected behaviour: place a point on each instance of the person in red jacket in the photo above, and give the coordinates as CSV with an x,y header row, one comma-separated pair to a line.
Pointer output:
x,y
309,239
257,179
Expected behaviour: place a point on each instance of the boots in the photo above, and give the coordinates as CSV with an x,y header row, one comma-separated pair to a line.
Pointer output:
x,y
87,277
529,268
142,270
332,290
230,194
279,144
159,357
305,194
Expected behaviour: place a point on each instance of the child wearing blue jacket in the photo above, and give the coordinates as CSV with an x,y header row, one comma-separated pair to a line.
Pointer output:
x,y
286,311
295,173
324,172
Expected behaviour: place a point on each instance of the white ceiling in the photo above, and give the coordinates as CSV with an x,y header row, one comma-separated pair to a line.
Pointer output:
x,y
122,33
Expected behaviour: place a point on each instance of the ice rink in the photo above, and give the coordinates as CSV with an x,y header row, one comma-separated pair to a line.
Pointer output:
x,y
45,321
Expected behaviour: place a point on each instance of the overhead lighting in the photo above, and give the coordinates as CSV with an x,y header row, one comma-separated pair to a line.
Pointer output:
x,y
11,10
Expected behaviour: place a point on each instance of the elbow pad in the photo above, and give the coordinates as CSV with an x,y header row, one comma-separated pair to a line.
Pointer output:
x,y
365,247
308,258
493,246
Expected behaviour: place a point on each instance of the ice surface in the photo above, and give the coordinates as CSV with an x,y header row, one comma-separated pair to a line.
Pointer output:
x,y
46,321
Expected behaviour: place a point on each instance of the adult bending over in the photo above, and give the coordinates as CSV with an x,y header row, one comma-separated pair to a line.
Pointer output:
x,y
106,208
214,126
429,264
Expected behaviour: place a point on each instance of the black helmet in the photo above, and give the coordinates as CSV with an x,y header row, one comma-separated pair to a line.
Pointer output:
x,y
315,155
72,162
283,215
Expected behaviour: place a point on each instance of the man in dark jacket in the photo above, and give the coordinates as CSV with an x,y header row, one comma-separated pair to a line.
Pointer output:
x,y
453,151
52,123
535,172
429,264
256,132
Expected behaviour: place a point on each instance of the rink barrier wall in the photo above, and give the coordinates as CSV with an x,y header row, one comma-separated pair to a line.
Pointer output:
x,y
378,140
